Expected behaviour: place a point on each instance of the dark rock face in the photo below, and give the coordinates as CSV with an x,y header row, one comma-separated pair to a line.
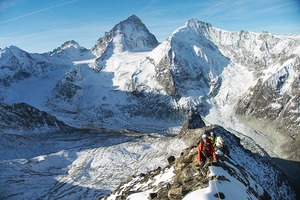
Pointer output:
x,y
22,116
270,102
195,121
164,76
66,88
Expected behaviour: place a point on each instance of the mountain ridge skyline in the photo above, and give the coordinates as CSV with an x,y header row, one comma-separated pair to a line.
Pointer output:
x,y
161,17
294,36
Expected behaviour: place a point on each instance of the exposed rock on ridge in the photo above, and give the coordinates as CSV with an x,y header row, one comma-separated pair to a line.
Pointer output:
x,y
23,117
186,178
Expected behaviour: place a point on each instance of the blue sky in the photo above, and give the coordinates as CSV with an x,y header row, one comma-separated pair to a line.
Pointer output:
x,y
39,26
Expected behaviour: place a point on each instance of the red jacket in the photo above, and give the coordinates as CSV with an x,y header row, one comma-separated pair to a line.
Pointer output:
x,y
208,147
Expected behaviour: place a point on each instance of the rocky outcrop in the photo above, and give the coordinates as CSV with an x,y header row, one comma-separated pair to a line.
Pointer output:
x,y
164,76
187,177
65,94
23,117
182,177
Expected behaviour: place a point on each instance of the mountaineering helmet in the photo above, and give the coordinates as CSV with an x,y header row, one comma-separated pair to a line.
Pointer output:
x,y
204,136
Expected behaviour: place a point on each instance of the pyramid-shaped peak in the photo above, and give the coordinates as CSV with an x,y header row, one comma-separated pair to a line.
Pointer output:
x,y
130,34
13,48
133,18
132,22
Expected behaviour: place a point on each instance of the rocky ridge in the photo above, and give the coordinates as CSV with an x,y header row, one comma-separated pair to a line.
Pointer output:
x,y
182,178
25,118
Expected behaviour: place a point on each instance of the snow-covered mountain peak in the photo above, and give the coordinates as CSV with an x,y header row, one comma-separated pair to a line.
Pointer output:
x,y
196,28
70,44
193,30
194,23
195,62
71,50
133,20
129,35
16,65
11,50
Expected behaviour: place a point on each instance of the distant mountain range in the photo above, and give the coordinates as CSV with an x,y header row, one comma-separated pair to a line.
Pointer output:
x,y
246,82
128,77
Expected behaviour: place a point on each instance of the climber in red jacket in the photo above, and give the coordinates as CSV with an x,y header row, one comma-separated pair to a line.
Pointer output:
x,y
206,150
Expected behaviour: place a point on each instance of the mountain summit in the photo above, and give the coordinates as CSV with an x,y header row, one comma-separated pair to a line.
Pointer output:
x,y
129,35
71,50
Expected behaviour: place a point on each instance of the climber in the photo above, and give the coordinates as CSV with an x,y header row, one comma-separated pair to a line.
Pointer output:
x,y
219,142
205,150
213,138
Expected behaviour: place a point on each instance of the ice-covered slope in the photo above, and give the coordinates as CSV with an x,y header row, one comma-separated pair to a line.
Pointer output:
x,y
190,65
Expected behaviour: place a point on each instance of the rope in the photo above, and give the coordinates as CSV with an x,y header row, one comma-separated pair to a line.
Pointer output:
x,y
216,187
